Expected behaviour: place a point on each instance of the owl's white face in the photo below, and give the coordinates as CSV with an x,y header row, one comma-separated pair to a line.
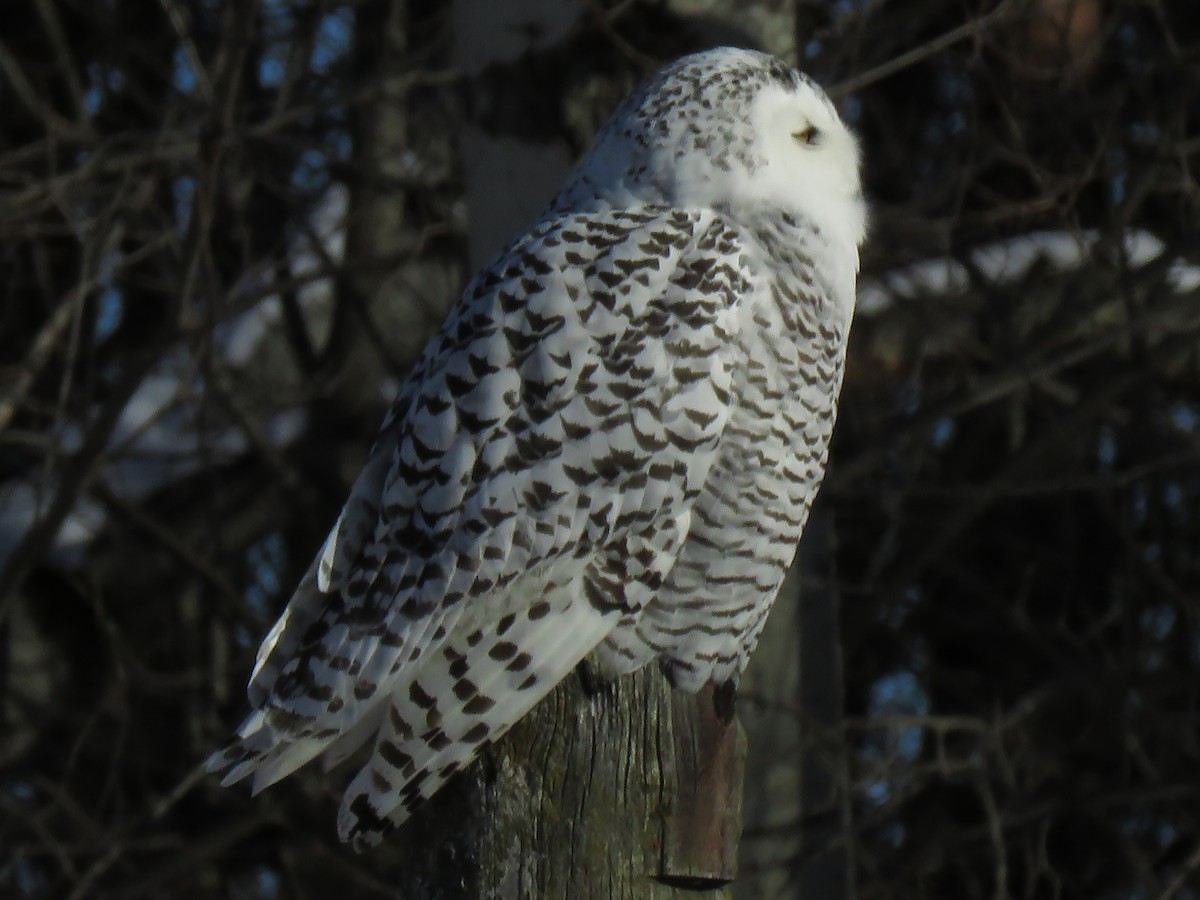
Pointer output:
x,y
811,160
728,128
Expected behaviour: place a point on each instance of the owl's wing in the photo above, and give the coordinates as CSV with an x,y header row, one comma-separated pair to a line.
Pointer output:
x,y
551,440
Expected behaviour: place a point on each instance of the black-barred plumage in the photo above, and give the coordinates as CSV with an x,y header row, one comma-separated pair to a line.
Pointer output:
x,y
612,444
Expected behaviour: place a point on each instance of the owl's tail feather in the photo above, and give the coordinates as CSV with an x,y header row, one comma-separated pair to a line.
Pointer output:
x,y
484,678
268,753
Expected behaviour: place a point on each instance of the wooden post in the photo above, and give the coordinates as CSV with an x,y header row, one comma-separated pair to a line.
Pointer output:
x,y
631,791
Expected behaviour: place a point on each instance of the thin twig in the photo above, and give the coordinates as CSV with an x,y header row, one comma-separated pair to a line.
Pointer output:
x,y
911,57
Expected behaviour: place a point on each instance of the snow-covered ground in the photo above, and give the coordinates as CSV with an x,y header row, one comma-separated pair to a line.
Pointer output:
x,y
1010,260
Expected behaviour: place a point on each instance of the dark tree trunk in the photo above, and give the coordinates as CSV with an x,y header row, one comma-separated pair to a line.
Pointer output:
x,y
622,790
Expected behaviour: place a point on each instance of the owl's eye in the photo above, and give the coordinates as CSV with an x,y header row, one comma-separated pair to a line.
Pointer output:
x,y
810,135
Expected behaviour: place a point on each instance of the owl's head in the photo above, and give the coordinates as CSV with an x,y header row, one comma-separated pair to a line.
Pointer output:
x,y
728,127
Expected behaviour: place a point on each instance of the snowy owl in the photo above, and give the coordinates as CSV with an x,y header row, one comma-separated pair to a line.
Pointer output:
x,y
611,445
